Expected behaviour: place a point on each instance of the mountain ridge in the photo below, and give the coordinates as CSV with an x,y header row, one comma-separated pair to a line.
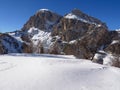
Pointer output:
x,y
75,33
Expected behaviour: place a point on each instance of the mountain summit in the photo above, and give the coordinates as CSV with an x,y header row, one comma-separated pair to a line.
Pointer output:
x,y
79,15
44,19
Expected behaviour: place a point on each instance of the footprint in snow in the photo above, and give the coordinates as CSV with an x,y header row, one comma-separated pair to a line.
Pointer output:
x,y
6,66
101,68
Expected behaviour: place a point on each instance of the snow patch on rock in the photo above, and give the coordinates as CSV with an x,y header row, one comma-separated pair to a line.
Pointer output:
x,y
73,16
40,37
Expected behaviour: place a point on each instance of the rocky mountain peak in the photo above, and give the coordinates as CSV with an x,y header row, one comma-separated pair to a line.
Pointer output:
x,y
76,11
44,20
44,11
79,15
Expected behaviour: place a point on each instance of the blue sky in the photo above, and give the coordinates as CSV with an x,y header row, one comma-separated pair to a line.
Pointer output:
x,y
15,13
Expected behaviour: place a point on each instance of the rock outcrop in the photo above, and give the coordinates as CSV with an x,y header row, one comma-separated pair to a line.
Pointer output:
x,y
114,46
111,53
9,44
89,34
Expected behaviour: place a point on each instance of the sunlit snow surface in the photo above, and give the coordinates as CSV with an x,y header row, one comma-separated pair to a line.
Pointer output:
x,y
55,72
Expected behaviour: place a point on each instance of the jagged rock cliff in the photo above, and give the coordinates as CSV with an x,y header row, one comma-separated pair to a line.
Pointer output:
x,y
114,47
83,34
9,44
111,53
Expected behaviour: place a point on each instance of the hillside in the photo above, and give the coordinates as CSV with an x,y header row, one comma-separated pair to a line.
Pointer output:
x,y
55,72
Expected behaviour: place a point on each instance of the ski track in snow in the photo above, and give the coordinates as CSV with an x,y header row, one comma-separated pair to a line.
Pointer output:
x,y
55,72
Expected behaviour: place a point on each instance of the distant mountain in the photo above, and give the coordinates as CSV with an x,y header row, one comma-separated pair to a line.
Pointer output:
x,y
75,33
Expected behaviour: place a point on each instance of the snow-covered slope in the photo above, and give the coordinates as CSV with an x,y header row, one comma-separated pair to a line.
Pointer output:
x,y
39,35
40,39
53,72
17,35
11,44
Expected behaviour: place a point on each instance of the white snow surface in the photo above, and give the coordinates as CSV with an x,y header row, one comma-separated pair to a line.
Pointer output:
x,y
71,16
55,72
73,41
43,10
115,41
109,59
